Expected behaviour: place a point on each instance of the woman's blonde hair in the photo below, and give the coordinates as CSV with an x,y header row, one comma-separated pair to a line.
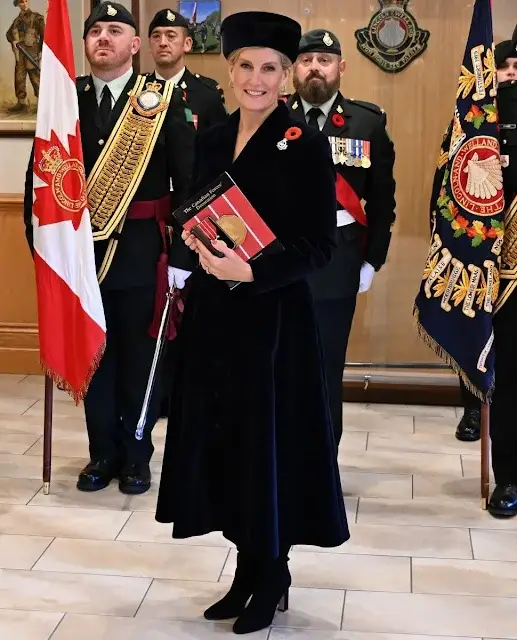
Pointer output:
x,y
284,60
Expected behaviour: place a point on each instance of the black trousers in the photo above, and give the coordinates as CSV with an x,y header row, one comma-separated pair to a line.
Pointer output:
x,y
116,393
503,420
469,400
334,322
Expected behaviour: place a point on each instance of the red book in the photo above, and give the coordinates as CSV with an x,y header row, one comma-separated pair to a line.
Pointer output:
x,y
221,211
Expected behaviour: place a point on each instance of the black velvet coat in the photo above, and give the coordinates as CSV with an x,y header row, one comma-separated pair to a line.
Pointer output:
x,y
249,447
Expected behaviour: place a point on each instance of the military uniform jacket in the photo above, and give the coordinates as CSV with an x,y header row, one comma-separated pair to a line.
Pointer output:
x,y
171,163
204,97
374,185
28,29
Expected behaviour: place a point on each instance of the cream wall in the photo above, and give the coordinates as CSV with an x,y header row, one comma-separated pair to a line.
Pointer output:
x,y
15,154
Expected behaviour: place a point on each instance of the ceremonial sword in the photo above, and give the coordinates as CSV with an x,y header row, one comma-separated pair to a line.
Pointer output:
x,y
169,297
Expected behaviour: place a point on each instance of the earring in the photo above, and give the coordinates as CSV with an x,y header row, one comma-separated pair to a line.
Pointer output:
x,y
231,84
282,88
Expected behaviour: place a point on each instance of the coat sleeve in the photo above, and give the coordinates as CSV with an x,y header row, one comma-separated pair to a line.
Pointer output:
x,y
181,136
312,245
27,203
380,196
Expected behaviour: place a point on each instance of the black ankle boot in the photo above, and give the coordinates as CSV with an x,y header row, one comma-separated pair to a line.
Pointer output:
x,y
234,602
272,593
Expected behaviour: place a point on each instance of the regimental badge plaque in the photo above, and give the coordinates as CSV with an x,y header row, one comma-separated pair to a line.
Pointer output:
x,y
393,39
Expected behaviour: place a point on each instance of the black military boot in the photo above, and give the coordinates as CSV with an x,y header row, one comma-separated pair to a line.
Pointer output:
x,y
503,502
135,478
97,475
469,427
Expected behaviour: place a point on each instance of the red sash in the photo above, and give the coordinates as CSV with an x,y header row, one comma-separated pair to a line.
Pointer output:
x,y
349,200
160,210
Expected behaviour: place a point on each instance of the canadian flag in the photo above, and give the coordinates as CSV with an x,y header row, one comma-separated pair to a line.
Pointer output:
x,y
72,327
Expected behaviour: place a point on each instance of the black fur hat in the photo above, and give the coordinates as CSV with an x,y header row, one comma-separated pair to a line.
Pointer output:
x,y
261,29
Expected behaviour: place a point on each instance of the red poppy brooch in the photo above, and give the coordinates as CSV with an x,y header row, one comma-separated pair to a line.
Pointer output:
x,y
338,120
293,133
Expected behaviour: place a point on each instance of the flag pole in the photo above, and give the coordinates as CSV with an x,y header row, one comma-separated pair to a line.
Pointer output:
x,y
47,434
485,455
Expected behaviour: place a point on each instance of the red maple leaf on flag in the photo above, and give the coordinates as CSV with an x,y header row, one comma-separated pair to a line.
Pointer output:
x,y
63,196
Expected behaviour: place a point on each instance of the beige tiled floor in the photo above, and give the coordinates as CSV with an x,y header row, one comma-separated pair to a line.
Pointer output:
x,y
424,562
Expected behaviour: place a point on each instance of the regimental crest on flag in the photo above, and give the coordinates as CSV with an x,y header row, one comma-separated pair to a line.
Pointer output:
x,y
393,39
461,280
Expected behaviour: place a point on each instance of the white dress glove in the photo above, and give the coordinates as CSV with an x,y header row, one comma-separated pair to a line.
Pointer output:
x,y
177,277
366,277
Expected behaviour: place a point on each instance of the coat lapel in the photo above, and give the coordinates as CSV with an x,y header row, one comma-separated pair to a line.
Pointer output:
x,y
186,82
294,104
338,111
87,103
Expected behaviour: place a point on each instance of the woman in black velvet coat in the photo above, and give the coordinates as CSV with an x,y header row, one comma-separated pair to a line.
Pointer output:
x,y
249,447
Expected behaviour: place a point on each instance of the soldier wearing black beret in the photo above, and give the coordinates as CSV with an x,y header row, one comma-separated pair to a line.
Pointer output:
x,y
364,157
136,143
505,56
170,40
109,12
503,501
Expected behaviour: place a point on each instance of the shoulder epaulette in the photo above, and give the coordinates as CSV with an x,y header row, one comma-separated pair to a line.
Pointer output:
x,y
368,105
209,82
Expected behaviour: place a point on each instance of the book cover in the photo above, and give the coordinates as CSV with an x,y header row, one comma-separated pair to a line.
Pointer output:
x,y
221,211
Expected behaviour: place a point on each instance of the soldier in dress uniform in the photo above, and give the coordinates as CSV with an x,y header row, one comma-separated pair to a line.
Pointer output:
x,y
364,157
170,41
136,142
469,427
26,38
503,502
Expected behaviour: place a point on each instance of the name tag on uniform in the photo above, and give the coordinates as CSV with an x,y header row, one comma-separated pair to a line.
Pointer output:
x,y
351,152
505,161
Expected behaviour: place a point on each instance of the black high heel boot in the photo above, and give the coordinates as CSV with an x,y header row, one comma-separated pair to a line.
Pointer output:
x,y
272,593
244,582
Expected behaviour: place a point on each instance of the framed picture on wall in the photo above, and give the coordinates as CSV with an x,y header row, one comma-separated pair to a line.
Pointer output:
x,y
204,17
21,43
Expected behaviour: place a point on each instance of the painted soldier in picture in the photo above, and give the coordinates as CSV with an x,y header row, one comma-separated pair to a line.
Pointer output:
x,y
26,38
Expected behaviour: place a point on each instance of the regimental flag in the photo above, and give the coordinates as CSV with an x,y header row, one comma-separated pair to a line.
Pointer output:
x,y
455,305
72,327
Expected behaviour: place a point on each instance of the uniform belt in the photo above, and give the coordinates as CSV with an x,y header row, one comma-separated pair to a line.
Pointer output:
x,y
159,210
